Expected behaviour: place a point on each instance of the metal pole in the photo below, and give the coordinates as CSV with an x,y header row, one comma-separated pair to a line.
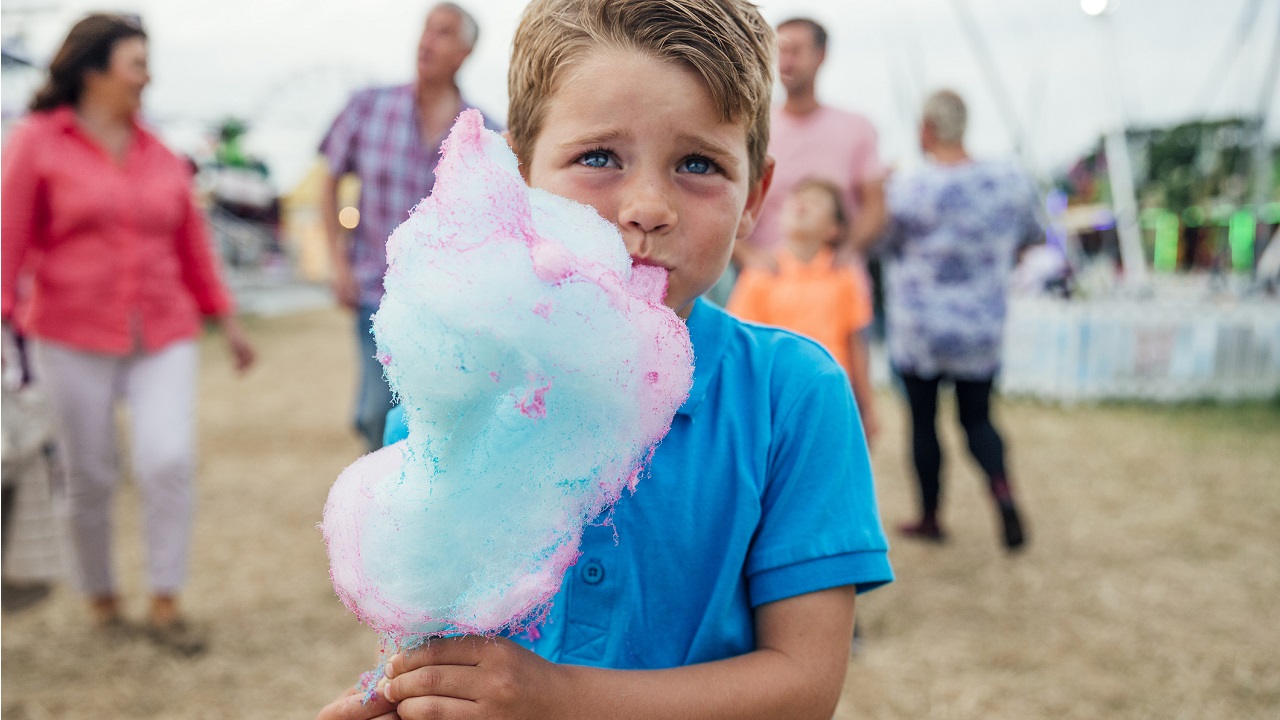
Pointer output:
x,y
1262,169
1120,170
1007,113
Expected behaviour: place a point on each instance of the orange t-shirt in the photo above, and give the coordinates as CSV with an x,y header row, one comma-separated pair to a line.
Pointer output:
x,y
816,299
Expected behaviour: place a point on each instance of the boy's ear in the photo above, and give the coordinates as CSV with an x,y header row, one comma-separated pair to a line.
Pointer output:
x,y
755,200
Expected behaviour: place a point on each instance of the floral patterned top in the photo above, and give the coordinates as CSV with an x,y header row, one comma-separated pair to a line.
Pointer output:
x,y
953,234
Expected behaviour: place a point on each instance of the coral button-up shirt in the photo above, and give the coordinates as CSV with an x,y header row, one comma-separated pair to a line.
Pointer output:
x,y
110,257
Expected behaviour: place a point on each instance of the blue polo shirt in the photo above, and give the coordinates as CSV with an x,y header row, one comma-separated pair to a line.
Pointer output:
x,y
762,491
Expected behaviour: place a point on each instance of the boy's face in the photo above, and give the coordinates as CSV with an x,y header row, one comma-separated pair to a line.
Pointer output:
x,y
642,142
809,215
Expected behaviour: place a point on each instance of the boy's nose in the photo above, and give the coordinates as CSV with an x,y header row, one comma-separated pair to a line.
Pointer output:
x,y
646,208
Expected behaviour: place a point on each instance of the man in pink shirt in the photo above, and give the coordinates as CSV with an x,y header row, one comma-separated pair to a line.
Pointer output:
x,y
810,140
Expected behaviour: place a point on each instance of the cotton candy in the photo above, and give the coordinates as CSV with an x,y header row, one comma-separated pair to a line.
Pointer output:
x,y
538,370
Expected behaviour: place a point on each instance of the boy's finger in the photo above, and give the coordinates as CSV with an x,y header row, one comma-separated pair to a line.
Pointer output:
x,y
464,650
451,681
353,707
439,708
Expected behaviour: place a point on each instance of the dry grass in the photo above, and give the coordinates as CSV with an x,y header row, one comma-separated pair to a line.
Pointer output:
x,y
1148,592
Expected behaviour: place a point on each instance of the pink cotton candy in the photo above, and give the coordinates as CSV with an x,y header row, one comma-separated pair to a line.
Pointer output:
x,y
538,371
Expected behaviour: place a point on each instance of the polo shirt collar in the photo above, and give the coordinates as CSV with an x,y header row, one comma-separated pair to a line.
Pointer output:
x,y
709,328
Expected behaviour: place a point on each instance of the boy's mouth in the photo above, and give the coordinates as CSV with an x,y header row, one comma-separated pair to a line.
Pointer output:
x,y
649,262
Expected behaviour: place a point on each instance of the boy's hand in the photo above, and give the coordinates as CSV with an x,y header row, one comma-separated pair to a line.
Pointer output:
x,y
473,678
349,706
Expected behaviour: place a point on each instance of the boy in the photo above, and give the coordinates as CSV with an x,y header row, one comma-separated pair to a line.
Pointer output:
x,y
729,590
810,292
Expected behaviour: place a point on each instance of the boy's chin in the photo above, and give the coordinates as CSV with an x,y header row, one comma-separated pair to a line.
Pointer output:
x,y
681,305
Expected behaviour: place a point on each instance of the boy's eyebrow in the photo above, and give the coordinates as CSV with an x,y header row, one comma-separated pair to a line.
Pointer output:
x,y
721,153
595,138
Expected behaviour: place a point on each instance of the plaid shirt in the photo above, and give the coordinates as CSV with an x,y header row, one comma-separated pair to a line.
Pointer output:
x,y
376,137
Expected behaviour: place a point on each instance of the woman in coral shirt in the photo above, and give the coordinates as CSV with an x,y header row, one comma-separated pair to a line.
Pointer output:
x,y
107,266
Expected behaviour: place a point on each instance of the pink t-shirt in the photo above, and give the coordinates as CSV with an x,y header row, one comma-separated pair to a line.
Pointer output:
x,y
827,143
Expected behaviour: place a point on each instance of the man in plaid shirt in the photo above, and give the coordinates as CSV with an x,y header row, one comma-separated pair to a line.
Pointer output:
x,y
390,138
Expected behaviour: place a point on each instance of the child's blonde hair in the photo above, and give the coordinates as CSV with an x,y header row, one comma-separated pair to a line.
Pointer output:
x,y
726,42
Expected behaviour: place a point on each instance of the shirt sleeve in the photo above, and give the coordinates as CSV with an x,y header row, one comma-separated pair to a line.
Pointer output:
x,y
747,302
340,143
199,266
820,526
21,196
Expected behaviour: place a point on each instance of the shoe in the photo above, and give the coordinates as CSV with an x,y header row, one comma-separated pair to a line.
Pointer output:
x,y
926,530
178,635
115,629
15,598
1014,537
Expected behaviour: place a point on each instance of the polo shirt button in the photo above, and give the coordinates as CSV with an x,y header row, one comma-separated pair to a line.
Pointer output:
x,y
592,572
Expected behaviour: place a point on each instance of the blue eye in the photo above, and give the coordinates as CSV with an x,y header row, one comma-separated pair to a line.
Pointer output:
x,y
697,165
595,159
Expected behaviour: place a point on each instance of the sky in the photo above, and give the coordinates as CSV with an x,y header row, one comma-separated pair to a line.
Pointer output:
x,y
289,65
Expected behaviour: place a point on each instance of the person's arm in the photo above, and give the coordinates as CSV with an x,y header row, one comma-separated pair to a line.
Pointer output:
x,y
20,193
873,215
200,276
856,315
243,355
339,149
343,280
795,673
860,379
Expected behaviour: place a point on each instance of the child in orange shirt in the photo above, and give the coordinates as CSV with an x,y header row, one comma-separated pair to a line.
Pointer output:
x,y
810,293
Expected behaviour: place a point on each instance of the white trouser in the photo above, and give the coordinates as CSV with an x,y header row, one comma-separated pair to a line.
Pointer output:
x,y
158,390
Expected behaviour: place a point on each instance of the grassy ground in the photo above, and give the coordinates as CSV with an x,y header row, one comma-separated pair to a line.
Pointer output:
x,y
1148,590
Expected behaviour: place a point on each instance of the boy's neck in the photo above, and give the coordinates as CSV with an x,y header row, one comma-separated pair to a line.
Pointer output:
x,y
804,249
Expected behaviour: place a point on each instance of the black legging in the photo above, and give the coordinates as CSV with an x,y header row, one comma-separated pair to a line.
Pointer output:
x,y
973,399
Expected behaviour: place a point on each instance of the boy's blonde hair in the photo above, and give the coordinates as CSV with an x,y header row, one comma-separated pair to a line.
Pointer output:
x,y
726,42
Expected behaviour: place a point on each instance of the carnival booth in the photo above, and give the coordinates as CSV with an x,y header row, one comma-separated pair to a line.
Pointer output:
x,y
1209,335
